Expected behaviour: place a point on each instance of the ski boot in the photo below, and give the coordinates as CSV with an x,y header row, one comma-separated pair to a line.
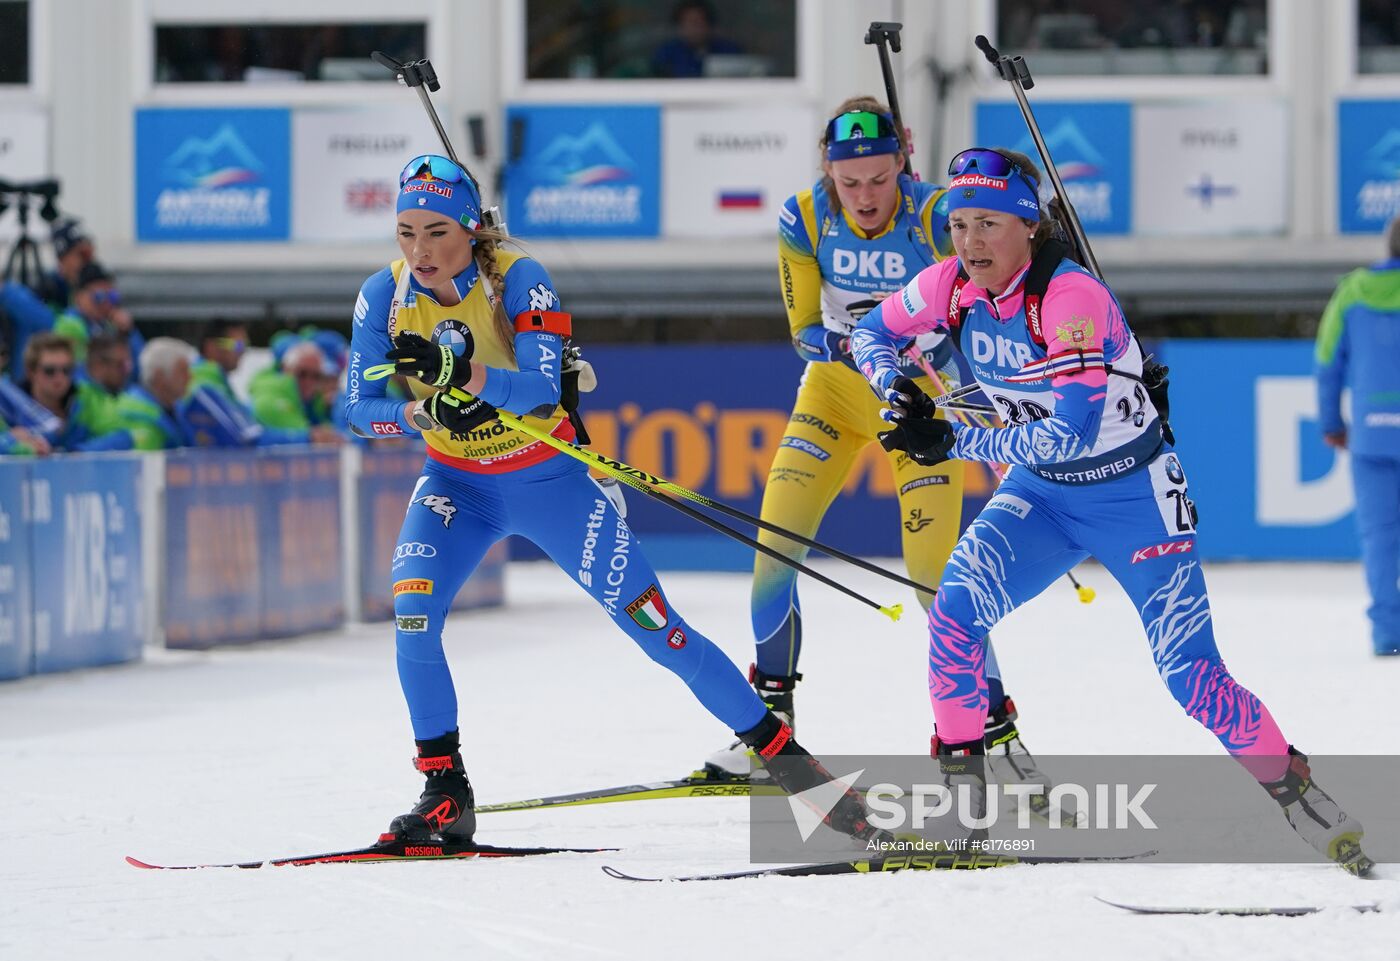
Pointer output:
x,y
733,762
964,771
1010,763
795,770
447,805
1315,816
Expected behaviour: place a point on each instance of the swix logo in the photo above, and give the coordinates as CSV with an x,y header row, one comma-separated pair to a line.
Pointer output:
x,y
977,180
1162,550
1033,317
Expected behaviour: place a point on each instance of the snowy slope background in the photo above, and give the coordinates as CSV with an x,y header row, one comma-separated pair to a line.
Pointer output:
x,y
303,746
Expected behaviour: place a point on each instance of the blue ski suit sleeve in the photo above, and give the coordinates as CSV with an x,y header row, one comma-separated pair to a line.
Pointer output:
x,y
366,401
536,383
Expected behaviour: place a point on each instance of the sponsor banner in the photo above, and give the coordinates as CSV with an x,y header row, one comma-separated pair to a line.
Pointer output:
x,y
387,477
16,599
214,547
1210,169
1093,150
24,156
85,537
1368,164
585,171
1266,486
660,408
212,174
299,564
346,167
728,170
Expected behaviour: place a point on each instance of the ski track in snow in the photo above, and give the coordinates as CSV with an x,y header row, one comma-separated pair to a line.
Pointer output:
x,y
301,746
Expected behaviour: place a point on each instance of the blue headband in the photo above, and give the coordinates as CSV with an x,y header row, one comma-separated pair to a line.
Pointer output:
x,y
458,200
1012,195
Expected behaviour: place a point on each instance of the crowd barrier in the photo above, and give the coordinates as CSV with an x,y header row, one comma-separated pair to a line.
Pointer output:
x,y
102,553
194,548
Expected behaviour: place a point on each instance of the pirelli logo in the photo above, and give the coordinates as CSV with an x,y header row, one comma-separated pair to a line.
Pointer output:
x,y
413,585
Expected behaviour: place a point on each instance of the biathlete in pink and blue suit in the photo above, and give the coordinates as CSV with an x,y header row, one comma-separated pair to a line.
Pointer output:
x,y
1094,473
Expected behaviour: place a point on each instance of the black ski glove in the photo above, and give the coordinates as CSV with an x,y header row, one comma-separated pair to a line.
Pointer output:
x,y
436,365
456,416
925,439
906,399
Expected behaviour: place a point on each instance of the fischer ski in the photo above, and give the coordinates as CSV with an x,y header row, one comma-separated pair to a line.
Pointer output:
x,y
912,862
388,848
696,785
1242,912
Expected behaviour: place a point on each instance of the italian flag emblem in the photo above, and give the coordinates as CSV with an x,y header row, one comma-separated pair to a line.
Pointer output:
x,y
649,610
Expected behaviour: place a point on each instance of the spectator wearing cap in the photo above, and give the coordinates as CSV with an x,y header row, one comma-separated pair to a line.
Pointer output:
x,y
150,409
299,396
97,308
73,249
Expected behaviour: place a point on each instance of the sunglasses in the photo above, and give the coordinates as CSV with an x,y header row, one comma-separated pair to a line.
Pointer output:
x,y
439,168
53,370
988,163
106,296
859,124
235,344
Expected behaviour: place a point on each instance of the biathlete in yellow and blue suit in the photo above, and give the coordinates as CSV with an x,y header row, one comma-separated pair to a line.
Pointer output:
x,y
856,236
457,312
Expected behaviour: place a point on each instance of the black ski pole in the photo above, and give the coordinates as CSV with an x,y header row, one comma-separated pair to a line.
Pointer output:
x,y
1015,72
419,75
884,35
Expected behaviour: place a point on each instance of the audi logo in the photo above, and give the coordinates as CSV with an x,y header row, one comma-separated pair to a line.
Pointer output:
x,y
414,549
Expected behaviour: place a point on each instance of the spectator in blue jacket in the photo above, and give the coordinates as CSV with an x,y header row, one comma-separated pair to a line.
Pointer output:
x,y
1358,347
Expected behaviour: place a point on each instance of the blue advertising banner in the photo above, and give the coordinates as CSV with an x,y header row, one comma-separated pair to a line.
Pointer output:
x,y
213,174
299,561
1368,164
85,530
1091,143
213,548
387,477
709,418
585,171
16,635
1245,417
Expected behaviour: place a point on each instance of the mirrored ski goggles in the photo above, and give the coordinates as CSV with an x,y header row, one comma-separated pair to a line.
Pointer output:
x,y
439,168
860,133
986,161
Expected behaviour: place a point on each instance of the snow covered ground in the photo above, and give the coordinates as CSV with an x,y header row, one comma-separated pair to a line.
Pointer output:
x,y
302,746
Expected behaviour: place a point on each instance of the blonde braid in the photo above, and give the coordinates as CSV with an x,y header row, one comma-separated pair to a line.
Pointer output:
x,y
487,241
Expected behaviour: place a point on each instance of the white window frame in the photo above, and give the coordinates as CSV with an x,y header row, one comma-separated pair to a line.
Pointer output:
x,y
1140,87
1347,79
516,88
151,13
37,89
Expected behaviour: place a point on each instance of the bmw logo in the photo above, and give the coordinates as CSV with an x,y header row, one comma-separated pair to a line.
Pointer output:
x,y
455,334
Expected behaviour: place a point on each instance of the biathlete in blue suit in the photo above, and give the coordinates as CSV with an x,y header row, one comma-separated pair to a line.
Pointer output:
x,y
458,311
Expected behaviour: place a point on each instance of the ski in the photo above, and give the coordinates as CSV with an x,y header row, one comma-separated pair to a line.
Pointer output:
x,y
698,784
393,849
889,865
1241,912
